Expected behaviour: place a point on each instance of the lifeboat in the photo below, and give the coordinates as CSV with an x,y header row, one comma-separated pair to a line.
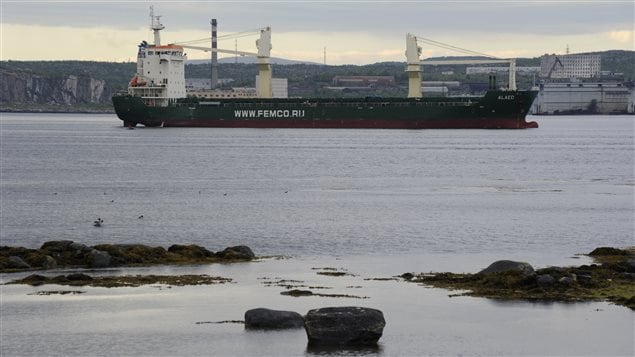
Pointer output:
x,y
136,81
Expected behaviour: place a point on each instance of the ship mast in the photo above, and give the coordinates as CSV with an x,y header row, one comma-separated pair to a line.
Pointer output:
x,y
413,51
156,26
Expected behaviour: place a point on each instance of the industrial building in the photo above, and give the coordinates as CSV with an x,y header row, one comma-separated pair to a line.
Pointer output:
x,y
363,81
486,70
584,98
570,66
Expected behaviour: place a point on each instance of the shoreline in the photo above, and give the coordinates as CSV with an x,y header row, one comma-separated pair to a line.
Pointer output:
x,y
610,277
419,319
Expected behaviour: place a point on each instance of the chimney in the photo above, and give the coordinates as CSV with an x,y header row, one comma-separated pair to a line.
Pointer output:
x,y
214,82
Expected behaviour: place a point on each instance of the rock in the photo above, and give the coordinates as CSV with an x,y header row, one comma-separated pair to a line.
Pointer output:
x,y
19,86
78,277
35,279
629,276
607,251
16,262
189,251
262,318
57,245
584,279
545,280
297,292
566,280
79,248
506,265
99,259
344,326
237,252
127,254
407,276
49,262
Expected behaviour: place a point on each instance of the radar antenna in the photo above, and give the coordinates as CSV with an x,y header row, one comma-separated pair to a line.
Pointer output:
x,y
156,26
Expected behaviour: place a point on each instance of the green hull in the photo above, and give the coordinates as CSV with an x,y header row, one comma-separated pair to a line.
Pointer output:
x,y
495,110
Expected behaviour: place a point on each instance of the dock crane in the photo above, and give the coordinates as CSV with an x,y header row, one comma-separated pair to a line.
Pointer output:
x,y
553,67
413,63
263,57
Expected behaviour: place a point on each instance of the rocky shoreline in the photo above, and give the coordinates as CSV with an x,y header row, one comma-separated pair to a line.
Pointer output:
x,y
69,254
610,278
80,279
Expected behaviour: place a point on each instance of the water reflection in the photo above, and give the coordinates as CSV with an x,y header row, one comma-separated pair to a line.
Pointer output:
x,y
376,350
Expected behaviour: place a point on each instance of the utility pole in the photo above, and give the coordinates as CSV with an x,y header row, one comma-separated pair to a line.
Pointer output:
x,y
325,55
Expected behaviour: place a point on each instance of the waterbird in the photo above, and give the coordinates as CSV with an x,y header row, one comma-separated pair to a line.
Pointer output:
x,y
140,217
98,222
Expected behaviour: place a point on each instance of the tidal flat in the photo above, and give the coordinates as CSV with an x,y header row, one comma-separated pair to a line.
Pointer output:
x,y
162,319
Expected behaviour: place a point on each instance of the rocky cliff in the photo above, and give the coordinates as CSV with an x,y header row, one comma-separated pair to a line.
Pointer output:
x,y
21,87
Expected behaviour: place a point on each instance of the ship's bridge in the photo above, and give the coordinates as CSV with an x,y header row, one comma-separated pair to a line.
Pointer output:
x,y
160,74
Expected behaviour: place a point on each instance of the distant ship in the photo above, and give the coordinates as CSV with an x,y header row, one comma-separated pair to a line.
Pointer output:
x,y
157,97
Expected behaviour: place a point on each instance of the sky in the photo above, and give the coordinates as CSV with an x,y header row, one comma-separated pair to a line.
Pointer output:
x,y
353,32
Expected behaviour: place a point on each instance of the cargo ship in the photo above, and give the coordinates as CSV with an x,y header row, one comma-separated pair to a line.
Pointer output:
x,y
156,97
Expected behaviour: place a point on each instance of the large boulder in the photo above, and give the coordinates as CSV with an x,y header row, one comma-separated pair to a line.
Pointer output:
x,y
508,265
344,326
79,248
16,262
608,251
49,262
57,246
545,280
237,252
262,318
99,259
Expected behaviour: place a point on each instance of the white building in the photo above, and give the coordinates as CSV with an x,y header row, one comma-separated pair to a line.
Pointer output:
x,y
570,66
485,70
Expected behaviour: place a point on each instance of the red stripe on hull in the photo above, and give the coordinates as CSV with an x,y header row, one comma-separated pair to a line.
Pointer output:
x,y
472,123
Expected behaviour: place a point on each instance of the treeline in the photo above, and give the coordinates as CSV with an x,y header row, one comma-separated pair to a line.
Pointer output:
x,y
303,79
116,74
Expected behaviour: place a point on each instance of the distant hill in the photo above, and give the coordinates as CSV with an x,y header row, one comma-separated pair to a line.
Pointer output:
x,y
71,85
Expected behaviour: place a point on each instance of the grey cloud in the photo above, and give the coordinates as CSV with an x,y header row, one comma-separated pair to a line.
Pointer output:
x,y
560,18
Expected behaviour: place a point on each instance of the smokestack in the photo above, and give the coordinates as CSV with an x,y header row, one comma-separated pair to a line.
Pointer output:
x,y
214,83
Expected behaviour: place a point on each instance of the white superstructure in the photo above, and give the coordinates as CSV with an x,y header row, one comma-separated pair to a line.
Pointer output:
x,y
160,76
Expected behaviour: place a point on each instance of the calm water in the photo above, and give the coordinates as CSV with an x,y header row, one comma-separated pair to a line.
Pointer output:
x,y
376,202
567,186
